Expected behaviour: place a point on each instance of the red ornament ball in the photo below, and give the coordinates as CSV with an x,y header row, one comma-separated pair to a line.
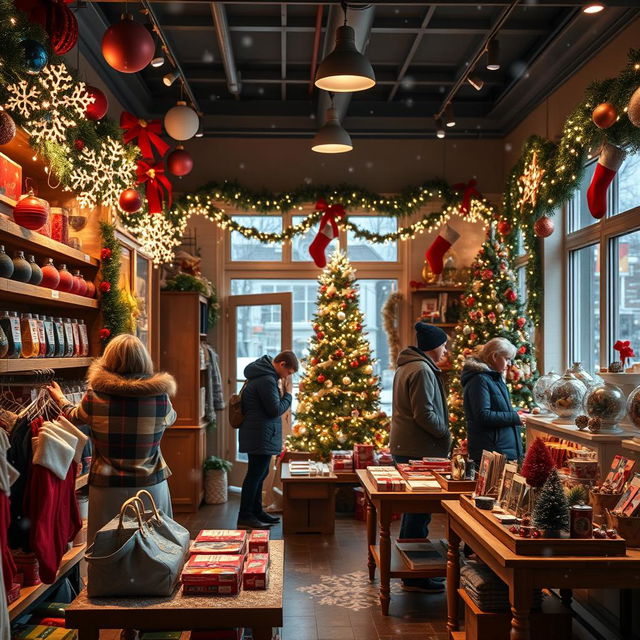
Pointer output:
x,y
66,279
130,201
353,364
78,144
179,161
510,295
98,108
91,289
323,288
7,128
487,274
522,349
339,354
127,46
320,335
104,333
504,227
363,358
105,286
321,378
62,27
50,275
31,212
604,115
105,254
521,322
470,301
314,362
543,227
358,327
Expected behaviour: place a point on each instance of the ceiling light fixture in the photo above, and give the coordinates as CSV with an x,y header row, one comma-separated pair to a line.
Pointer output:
x,y
440,132
449,118
493,55
476,82
158,61
593,7
200,132
170,77
345,69
331,137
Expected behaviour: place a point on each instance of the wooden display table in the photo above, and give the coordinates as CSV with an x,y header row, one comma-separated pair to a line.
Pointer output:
x,y
386,555
259,610
524,573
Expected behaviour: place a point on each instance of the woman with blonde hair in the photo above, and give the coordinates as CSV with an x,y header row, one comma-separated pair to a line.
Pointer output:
x,y
492,422
127,408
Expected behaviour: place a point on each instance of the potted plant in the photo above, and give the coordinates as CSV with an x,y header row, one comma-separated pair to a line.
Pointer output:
x,y
215,480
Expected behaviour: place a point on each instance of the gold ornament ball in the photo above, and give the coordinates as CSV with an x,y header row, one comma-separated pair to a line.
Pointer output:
x,y
368,370
328,384
499,307
604,115
371,381
341,315
633,108
346,381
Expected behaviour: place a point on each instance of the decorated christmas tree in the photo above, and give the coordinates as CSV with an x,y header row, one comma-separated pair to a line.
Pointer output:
x,y
338,399
551,512
490,309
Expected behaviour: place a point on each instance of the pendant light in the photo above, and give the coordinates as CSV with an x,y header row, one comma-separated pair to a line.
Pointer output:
x,y
476,82
440,131
493,55
331,137
593,7
345,69
449,118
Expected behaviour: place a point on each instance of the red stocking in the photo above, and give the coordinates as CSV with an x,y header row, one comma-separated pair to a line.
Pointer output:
x,y
609,162
327,232
447,236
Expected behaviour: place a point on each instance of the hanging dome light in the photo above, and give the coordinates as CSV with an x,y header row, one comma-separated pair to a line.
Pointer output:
x,y
593,7
449,118
493,55
440,131
331,137
345,68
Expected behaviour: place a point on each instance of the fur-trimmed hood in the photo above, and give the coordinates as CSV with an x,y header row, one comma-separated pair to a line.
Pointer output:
x,y
473,366
104,381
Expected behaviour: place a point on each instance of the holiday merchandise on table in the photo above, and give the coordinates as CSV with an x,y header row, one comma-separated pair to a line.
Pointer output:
x,y
489,472
386,479
259,541
363,456
220,541
256,571
341,461
308,468
212,574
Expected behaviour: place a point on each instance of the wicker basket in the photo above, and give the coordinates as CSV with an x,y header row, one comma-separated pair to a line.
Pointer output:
x,y
627,528
215,486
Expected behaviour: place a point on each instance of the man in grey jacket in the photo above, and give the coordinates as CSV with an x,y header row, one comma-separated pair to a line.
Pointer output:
x,y
420,422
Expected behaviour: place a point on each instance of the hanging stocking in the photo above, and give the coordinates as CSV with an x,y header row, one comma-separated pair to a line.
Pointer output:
x,y
609,162
327,232
447,236
467,191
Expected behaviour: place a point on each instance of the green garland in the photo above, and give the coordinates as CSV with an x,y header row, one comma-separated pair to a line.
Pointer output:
x,y
115,314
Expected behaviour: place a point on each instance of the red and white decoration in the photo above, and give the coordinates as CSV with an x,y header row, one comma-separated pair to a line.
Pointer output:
x,y
610,160
327,232
435,253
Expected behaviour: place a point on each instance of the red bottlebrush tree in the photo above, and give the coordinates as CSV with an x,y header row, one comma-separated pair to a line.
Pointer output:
x,y
537,464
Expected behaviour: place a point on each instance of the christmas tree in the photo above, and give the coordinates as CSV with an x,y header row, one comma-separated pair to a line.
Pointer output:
x,y
537,464
338,399
490,309
551,512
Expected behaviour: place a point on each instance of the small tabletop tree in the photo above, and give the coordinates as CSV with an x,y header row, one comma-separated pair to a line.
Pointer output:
x,y
551,512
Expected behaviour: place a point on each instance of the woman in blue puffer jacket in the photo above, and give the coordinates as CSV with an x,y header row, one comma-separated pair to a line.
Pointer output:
x,y
492,422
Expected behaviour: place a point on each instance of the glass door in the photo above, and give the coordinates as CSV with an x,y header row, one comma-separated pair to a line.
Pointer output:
x,y
258,324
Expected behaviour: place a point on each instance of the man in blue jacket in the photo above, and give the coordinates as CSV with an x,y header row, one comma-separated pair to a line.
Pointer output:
x,y
265,397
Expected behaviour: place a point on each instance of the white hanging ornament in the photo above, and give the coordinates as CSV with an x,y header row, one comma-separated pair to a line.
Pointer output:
x,y
181,122
341,438
341,315
499,307
466,330
346,381
328,384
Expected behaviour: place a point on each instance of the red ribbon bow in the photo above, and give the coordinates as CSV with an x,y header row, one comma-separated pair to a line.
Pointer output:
x,y
146,131
331,212
468,190
624,347
154,180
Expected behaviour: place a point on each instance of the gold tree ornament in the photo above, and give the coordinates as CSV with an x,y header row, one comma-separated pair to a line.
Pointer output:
x,y
529,184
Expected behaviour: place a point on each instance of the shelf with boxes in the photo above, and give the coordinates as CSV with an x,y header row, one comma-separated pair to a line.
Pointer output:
x,y
437,305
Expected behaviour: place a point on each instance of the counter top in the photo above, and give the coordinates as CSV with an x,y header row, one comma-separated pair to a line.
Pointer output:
x,y
571,432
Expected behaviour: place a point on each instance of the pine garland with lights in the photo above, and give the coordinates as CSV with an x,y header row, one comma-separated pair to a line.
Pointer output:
x,y
116,315
491,308
338,399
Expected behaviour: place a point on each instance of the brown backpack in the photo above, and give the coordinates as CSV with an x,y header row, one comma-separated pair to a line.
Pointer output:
x,y
235,408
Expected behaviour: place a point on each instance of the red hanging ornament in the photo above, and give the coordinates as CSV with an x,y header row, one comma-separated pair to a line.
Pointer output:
x,y
105,254
523,349
105,286
521,322
358,327
78,144
320,335
470,301
543,227
504,227
7,128
487,274
62,27
354,364
65,282
104,333
339,354
145,133
31,212
510,295
127,46
98,108
156,184
179,161
91,289
321,378
130,201
604,115
314,362
363,358
50,275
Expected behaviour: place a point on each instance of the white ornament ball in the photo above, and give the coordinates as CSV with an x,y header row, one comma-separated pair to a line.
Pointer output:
x,y
341,315
328,384
346,381
633,108
181,122
341,438
499,307
466,330
303,430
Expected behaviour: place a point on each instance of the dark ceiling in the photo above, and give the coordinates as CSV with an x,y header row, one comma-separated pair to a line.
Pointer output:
x,y
248,65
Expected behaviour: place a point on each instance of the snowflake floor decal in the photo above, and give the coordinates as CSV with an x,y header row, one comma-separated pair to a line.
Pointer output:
x,y
349,590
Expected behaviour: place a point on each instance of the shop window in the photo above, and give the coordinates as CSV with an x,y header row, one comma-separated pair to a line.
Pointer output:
x,y
579,215
522,284
361,250
251,249
584,306
300,244
628,191
625,303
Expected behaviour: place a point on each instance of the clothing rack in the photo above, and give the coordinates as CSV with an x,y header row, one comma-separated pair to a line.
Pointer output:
x,y
39,378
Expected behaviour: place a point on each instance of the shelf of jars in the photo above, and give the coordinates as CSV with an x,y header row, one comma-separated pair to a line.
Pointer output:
x,y
23,292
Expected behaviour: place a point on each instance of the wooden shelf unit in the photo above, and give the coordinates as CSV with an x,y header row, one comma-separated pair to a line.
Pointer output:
x,y
36,364
29,595
14,291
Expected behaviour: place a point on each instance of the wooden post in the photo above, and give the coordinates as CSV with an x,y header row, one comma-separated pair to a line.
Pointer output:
x,y
371,537
453,577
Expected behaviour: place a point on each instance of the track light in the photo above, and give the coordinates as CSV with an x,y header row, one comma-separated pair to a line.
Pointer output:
x,y
593,7
493,55
158,61
170,77
345,69
476,82
199,132
449,118
331,137
440,132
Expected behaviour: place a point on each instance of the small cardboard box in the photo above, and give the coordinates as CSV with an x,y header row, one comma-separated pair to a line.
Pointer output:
x,y
259,541
256,571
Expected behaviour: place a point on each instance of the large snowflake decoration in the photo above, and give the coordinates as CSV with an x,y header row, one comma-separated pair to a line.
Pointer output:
x,y
50,103
103,174
158,237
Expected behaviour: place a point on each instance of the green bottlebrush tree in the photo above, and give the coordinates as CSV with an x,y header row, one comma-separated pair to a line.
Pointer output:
x,y
338,400
491,308
551,511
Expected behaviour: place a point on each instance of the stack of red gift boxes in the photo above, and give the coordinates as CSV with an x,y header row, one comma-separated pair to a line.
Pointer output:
x,y
363,456
341,461
386,479
222,561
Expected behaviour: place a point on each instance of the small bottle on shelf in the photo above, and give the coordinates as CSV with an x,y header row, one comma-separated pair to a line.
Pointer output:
x,y
84,338
29,332
4,343
36,271
21,268
42,337
50,275
10,324
58,328
76,338
50,335
68,338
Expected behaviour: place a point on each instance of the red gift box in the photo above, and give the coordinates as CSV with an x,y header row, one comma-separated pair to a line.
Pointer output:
x,y
259,541
10,178
14,593
256,571
217,541
212,574
27,565
363,455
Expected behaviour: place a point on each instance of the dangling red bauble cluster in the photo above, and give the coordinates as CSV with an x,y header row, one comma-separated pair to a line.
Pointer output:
x,y
130,201
98,108
127,46
104,333
543,227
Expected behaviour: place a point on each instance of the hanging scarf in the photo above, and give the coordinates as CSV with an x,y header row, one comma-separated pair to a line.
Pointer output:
x,y
154,180
147,133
